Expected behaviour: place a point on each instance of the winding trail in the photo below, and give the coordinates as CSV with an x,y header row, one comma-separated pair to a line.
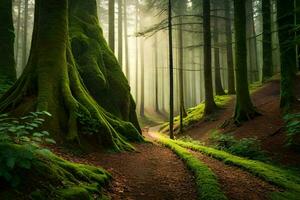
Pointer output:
x,y
154,172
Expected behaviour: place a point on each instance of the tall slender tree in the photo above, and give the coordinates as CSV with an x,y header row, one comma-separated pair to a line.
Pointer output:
x,y
7,37
286,35
218,82
171,110
181,7
230,70
25,35
210,104
111,24
126,42
267,40
120,32
244,109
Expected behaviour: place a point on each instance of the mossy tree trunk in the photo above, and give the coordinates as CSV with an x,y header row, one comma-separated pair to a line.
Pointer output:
x,y
267,40
51,80
244,109
286,35
230,72
210,105
7,37
111,24
98,66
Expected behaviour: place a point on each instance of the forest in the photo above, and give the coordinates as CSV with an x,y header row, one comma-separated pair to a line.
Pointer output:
x,y
149,99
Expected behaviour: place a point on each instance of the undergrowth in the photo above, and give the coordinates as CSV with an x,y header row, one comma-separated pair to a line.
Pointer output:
x,y
28,171
245,147
292,127
195,114
207,184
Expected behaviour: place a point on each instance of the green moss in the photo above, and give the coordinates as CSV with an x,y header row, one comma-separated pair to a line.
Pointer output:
x,y
207,185
196,114
287,179
50,177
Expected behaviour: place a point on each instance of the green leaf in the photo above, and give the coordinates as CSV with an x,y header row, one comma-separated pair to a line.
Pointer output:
x,y
50,141
37,134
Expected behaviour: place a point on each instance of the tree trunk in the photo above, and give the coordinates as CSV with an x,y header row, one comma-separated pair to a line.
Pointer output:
x,y
285,22
218,83
136,49
155,48
120,32
253,72
142,92
267,40
126,42
17,39
111,24
230,78
171,118
7,37
25,35
51,81
210,105
244,109
180,62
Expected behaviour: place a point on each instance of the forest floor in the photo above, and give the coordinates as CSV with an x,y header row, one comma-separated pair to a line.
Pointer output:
x,y
155,172
267,128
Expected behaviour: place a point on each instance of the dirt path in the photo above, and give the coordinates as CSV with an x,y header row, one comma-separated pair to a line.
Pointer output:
x,y
236,183
152,173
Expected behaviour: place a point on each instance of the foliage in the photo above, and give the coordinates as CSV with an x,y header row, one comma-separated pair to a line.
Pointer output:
x,y
207,183
287,179
292,126
50,177
4,86
246,147
24,130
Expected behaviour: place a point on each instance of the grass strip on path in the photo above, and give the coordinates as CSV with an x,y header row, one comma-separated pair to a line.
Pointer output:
x,y
288,180
207,184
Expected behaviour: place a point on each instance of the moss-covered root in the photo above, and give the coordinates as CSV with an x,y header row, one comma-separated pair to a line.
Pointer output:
x,y
286,179
52,82
48,177
207,184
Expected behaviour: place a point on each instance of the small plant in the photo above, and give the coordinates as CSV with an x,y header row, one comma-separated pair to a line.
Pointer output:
x,y
89,125
19,138
292,127
24,130
246,147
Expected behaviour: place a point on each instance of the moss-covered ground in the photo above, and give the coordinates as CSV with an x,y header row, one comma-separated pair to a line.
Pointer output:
x,y
44,176
195,114
207,183
284,178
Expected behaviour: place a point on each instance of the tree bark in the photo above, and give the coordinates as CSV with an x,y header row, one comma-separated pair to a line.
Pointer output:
x,y
244,109
7,37
210,105
285,22
230,76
